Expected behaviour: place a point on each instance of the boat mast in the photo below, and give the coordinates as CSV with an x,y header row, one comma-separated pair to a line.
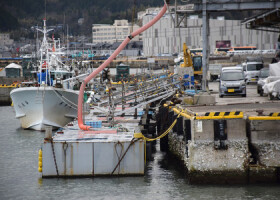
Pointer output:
x,y
44,50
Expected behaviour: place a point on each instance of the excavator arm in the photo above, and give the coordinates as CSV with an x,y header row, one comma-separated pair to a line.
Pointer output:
x,y
187,57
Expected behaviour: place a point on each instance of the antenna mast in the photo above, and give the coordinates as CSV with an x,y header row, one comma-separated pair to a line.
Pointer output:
x,y
45,9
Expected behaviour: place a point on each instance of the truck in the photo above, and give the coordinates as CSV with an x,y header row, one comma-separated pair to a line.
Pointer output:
x,y
251,68
214,71
122,72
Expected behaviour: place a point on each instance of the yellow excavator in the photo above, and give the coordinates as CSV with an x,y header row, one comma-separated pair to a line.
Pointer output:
x,y
194,61
187,57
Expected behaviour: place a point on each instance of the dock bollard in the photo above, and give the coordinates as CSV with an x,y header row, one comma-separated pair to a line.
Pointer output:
x,y
48,132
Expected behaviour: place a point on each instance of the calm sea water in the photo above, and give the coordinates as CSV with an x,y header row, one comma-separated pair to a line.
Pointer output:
x,y
19,178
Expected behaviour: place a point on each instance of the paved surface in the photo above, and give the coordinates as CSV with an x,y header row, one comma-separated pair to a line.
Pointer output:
x,y
248,104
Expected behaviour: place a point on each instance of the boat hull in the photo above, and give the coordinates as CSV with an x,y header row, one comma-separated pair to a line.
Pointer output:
x,y
37,107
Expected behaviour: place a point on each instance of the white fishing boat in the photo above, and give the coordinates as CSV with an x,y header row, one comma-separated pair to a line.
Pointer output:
x,y
46,102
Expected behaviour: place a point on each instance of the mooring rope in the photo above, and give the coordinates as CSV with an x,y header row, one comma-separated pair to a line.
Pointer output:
x,y
54,157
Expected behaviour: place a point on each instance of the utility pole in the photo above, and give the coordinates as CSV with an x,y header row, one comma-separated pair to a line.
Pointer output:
x,y
205,53
67,42
175,26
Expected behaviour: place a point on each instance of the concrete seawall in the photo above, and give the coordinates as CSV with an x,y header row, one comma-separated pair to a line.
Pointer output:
x,y
226,150
6,86
5,98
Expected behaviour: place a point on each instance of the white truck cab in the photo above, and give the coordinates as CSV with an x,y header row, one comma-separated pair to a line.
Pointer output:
x,y
252,68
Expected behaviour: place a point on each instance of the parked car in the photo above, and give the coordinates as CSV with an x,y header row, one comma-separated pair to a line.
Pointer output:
x,y
264,73
232,82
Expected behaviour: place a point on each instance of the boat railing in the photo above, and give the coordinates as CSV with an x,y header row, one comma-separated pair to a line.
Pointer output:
x,y
82,76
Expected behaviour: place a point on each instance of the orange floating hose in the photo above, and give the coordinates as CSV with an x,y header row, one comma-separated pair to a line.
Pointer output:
x,y
108,61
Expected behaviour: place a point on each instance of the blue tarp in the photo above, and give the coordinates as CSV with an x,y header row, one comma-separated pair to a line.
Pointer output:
x,y
192,92
186,83
42,76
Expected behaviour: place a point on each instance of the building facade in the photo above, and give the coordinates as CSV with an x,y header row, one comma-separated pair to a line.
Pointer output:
x,y
106,33
163,38
5,39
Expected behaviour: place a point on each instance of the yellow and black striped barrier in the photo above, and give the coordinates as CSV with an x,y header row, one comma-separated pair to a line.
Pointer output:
x,y
276,114
271,116
9,86
222,115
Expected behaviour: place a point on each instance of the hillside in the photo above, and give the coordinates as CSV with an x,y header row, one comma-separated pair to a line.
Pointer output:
x,y
16,14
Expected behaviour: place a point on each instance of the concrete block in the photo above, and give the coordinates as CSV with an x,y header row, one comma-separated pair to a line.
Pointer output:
x,y
203,157
265,137
202,130
265,129
207,164
236,129
188,100
204,99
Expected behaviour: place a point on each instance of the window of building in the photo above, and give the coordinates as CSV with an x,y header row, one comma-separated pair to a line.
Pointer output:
x,y
156,33
267,38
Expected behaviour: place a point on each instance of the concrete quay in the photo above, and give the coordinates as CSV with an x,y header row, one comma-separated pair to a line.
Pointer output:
x,y
225,142
6,86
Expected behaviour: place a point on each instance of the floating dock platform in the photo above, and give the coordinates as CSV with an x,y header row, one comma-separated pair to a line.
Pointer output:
x,y
103,151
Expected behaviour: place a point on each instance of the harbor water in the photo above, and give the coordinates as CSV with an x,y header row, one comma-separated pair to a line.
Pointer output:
x,y
164,178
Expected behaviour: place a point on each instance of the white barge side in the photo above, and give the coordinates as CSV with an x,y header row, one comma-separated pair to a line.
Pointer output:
x,y
101,152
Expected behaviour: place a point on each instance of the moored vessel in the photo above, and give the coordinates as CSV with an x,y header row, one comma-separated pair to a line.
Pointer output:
x,y
46,102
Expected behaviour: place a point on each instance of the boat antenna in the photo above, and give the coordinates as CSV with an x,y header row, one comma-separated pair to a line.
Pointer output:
x,y
45,9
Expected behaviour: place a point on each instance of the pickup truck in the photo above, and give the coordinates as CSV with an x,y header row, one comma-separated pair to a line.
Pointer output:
x,y
214,71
